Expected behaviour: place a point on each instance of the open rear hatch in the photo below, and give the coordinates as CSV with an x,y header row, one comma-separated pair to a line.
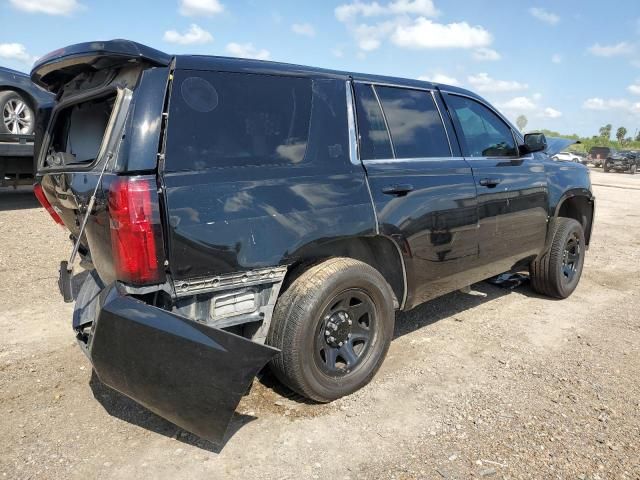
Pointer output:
x,y
92,179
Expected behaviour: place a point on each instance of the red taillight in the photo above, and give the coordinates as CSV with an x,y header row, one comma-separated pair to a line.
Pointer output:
x,y
135,230
39,193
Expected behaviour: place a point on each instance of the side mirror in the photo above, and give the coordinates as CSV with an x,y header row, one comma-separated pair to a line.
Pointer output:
x,y
533,142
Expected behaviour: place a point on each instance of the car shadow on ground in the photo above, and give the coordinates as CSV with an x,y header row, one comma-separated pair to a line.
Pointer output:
x,y
17,199
447,306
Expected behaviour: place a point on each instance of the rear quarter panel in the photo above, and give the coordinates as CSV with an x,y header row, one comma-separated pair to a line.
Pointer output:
x,y
231,219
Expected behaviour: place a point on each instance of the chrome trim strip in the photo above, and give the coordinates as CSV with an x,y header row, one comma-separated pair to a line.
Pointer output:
x,y
384,117
373,204
394,85
411,160
231,280
435,101
351,122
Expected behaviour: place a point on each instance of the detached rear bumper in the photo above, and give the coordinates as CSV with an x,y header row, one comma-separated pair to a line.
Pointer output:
x,y
191,374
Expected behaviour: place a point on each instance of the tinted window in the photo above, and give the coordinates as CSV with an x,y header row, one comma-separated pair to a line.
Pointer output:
x,y
415,124
221,119
374,138
484,134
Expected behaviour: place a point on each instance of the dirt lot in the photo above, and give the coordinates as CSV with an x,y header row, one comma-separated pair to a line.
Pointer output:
x,y
508,386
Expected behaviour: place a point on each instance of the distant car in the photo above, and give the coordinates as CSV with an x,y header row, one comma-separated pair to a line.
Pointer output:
x,y
19,100
597,155
622,161
567,157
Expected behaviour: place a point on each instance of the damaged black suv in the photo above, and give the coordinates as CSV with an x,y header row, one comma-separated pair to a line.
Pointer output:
x,y
226,213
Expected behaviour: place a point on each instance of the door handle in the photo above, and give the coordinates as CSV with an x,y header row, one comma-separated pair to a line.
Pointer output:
x,y
490,182
397,190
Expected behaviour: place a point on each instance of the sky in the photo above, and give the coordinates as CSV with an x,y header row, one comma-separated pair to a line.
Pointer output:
x,y
571,65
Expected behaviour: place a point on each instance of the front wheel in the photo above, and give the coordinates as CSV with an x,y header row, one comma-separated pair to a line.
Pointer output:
x,y
333,327
606,167
557,272
632,169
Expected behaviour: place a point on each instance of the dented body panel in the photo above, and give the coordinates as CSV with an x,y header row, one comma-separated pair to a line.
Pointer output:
x,y
191,374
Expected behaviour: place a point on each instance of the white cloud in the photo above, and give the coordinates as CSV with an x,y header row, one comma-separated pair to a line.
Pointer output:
x,y
544,15
556,58
635,89
440,78
247,50
551,113
350,11
195,35
15,51
50,7
486,55
369,37
337,52
305,29
622,48
195,8
424,33
602,104
520,104
407,24
484,83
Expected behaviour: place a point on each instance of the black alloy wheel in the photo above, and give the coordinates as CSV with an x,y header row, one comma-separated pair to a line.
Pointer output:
x,y
344,332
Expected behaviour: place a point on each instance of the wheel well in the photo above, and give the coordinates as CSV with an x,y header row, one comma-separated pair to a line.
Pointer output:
x,y
23,93
379,252
579,208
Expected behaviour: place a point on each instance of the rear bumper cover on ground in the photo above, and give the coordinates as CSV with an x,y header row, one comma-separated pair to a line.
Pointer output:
x,y
191,374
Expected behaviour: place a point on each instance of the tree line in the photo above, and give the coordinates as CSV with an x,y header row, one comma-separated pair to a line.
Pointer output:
x,y
602,139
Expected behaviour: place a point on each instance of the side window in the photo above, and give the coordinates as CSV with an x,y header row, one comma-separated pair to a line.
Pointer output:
x,y
220,119
484,134
374,138
415,124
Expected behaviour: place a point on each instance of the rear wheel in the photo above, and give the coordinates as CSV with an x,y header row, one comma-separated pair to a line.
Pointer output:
x,y
333,326
17,114
557,272
632,169
606,166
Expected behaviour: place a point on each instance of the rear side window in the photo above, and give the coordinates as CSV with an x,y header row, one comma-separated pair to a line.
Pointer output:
x,y
415,123
483,133
374,138
220,119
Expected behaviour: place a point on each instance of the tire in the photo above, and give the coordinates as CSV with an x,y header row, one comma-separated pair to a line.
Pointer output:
x,y
550,274
309,323
17,115
633,169
605,166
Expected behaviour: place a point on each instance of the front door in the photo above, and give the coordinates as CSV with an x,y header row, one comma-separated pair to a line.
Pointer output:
x,y
424,192
512,189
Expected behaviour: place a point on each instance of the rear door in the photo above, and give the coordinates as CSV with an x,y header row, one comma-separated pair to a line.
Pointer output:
x,y
512,189
423,191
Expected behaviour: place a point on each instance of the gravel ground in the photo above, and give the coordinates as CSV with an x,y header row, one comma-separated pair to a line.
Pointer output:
x,y
511,385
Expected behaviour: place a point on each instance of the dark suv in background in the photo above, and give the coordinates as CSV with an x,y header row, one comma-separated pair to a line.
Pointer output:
x,y
234,212
622,161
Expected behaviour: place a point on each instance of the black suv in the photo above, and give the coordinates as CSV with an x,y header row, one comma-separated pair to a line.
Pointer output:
x,y
622,161
232,212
